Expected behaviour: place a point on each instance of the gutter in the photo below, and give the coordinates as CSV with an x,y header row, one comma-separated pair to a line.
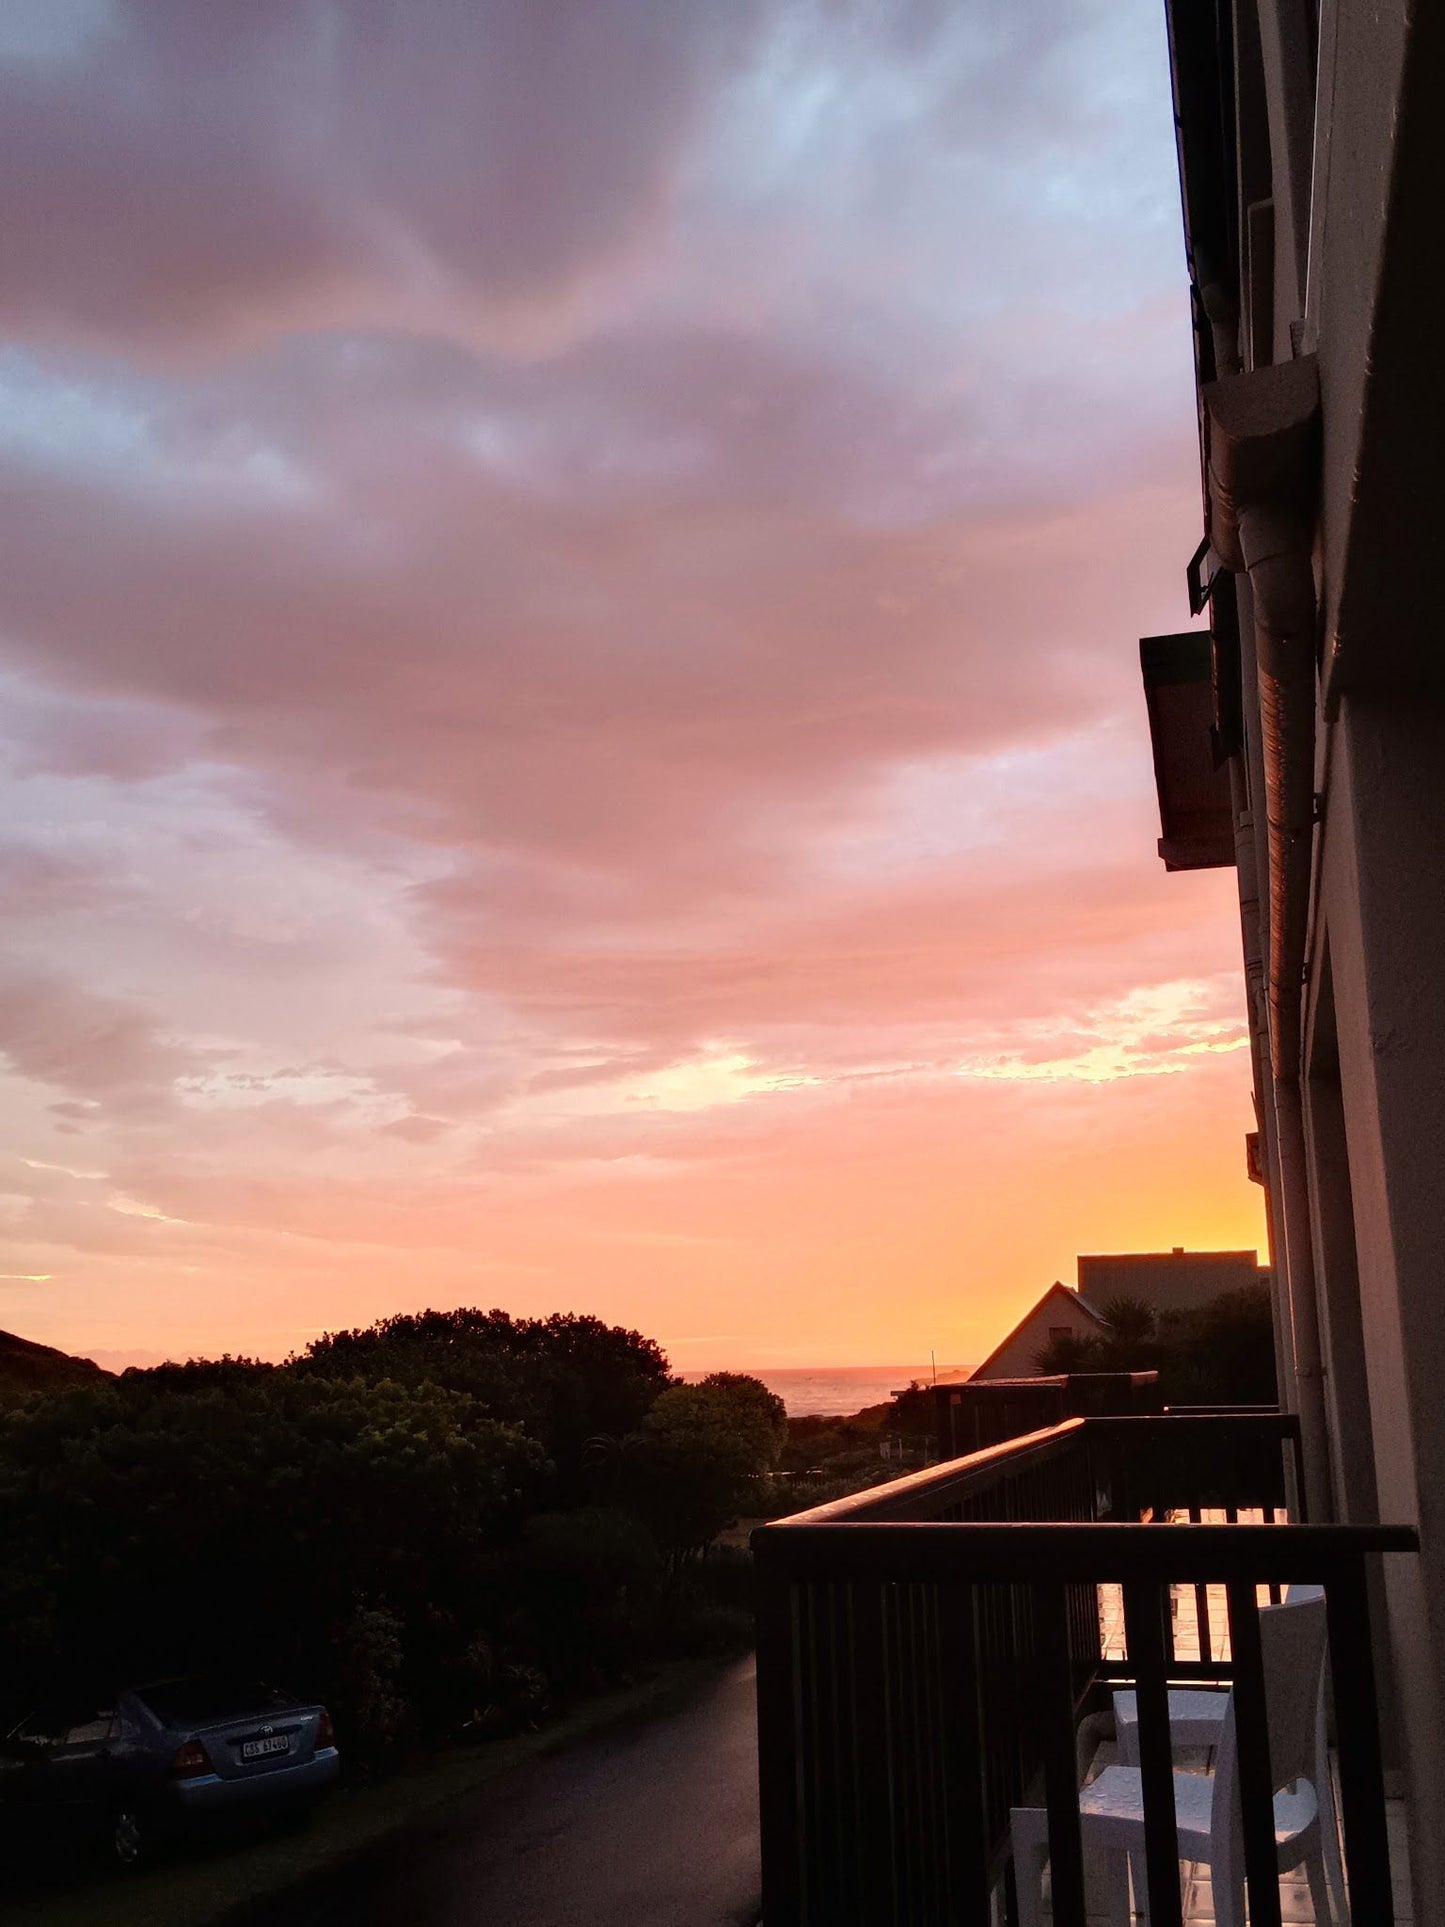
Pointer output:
x,y
1262,465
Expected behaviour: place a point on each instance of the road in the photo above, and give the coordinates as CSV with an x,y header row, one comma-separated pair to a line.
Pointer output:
x,y
651,1822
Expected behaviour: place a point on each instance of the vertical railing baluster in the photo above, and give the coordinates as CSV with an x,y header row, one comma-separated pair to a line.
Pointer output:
x,y
938,1706
1302,1509
937,1845
859,1816
1010,1896
1357,1730
1061,1778
1145,1612
878,1788
778,1763
813,1805
963,1756
1204,1638
910,1699
1251,1727
932,1702
847,1794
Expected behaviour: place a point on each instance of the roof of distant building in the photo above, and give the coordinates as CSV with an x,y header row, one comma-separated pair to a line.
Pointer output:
x,y
1053,1291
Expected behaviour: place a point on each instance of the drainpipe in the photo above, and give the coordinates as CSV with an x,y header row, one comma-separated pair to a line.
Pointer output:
x,y
1223,318
1262,441
1309,1371
1233,614
1249,917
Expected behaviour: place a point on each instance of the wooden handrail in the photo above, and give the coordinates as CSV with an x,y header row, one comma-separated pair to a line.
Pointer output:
x,y
910,1496
939,1550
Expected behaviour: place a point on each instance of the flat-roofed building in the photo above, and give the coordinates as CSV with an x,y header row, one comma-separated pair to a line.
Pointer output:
x,y
1167,1281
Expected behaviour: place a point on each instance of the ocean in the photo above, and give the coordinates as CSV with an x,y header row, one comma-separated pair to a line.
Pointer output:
x,y
810,1390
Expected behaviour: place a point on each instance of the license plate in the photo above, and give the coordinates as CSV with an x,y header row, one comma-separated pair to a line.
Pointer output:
x,y
262,1749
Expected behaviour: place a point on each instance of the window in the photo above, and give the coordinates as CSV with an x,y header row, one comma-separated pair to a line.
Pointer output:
x,y
43,1728
91,1732
192,1702
68,1725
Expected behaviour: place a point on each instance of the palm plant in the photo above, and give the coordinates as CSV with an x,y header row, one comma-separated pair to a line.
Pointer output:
x,y
1131,1321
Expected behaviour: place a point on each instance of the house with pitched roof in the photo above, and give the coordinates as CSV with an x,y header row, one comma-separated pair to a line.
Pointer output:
x,y
1060,1313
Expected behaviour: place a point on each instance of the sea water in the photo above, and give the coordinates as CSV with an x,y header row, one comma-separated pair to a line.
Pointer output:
x,y
811,1390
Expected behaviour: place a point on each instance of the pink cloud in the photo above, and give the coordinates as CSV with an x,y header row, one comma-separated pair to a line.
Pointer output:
x,y
568,612
93,1046
558,684
299,169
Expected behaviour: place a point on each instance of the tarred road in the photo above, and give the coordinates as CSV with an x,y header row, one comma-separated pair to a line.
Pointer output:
x,y
648,1823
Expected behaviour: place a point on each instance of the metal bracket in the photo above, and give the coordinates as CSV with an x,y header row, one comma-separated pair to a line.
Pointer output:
x,y
1200,578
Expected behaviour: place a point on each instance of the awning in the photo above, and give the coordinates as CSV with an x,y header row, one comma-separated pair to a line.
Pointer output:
x,y
1195,810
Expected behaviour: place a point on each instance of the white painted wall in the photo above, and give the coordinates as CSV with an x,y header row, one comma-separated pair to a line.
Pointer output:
x,y
1059,1309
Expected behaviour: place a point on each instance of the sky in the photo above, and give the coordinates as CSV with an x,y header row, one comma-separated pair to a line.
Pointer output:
x,y
570,578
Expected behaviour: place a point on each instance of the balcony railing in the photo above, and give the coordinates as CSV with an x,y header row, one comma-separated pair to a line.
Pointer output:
x,y
928,1651
979,1412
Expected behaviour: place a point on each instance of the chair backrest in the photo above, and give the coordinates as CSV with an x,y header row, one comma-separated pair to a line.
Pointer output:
x,y
1292,1636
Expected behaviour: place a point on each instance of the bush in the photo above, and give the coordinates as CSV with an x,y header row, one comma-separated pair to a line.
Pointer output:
x,y
1222,1354
382,1524
366,1697
700,1455
590,1578
322,1524
707,1608
562,1379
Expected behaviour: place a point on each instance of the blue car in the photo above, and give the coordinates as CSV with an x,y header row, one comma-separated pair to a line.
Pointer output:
x,y
150,1762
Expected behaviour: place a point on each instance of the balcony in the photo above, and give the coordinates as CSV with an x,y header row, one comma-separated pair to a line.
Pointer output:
x,y
981,1412
940,1650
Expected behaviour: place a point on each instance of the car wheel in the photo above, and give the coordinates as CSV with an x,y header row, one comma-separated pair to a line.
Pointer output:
x,y
129,1836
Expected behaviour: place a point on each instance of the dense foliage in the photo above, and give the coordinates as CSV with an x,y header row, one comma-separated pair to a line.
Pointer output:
x,y
700,1457
1222,1354
435,1525
563,1379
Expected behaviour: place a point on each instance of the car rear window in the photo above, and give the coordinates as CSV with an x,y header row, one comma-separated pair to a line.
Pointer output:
x,y
192,1702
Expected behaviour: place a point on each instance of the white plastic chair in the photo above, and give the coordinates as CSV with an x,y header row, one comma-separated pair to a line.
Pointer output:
x,y
1207,1806
1196,1719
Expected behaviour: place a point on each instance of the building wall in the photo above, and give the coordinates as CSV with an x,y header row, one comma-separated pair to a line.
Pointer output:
x,y
1358,1163
1379,919
1175,1280
1335,185
1380,942
1059,1308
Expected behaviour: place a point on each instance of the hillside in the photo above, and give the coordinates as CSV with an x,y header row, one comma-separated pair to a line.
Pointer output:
x,y
28,1367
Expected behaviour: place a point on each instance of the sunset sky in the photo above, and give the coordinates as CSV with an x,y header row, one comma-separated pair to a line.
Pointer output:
x,y
571,577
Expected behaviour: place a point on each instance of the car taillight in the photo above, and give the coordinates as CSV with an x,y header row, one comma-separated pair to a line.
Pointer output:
x,y
191,1761
325,1731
